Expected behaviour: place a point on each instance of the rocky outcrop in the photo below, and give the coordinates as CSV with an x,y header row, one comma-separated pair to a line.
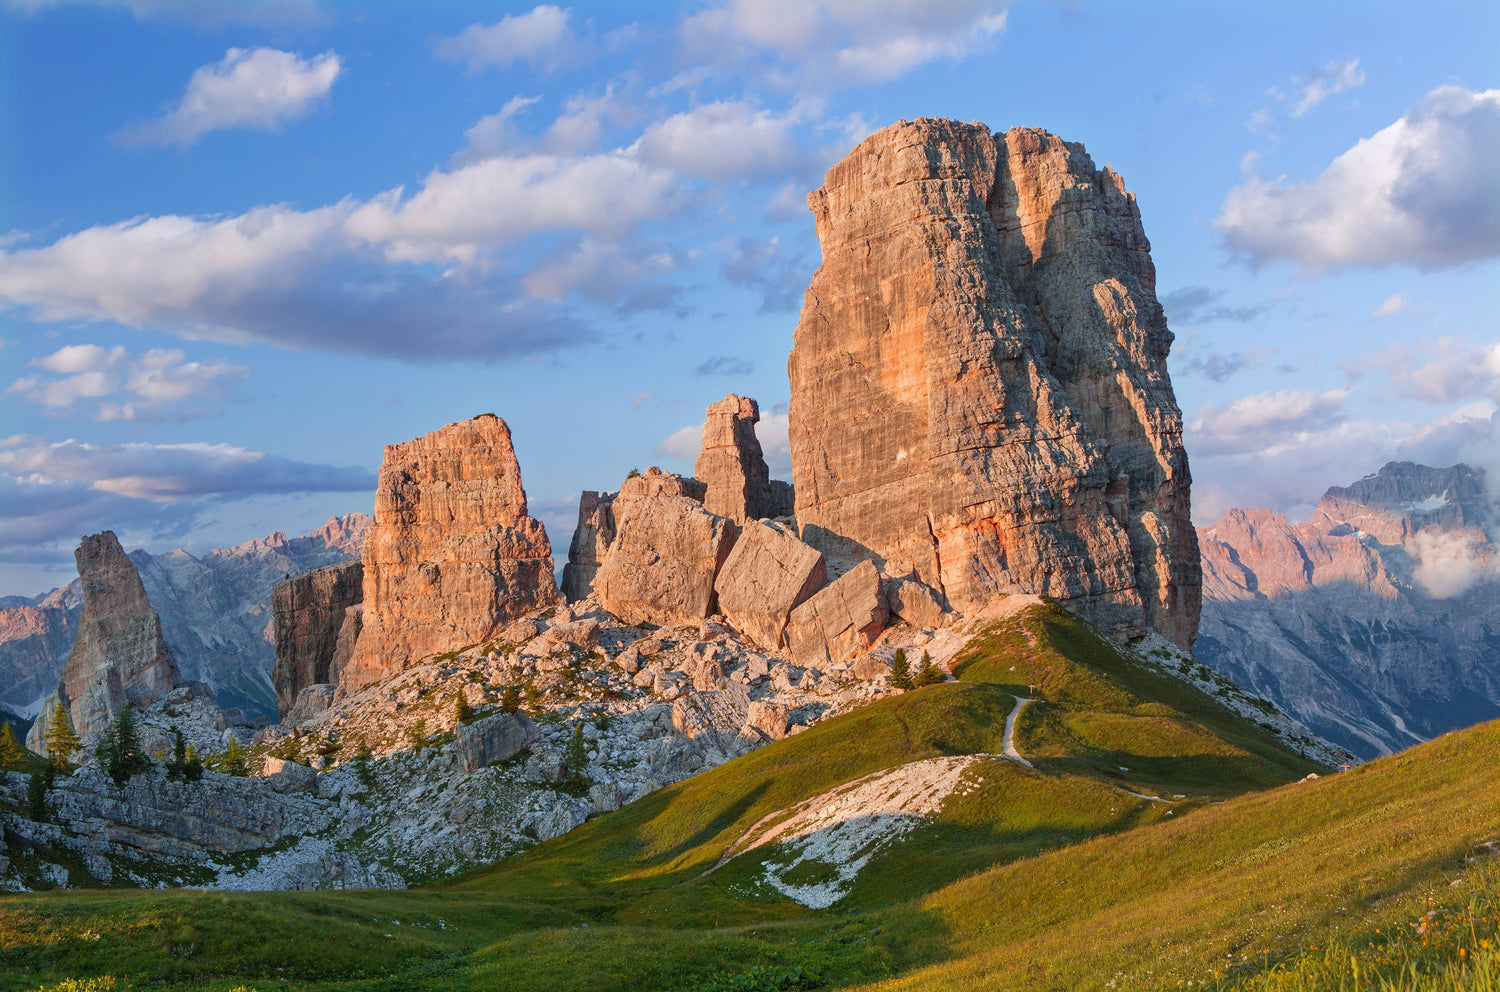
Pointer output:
x,y
453,555
842,621
1374,622
591,540
769,573
979,379
309,613
733,467
666,554
493,739
119,658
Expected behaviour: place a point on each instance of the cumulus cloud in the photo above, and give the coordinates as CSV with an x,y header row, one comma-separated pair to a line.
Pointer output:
x,y
686,443
460,213
1450,564
730,139
1447,370
623,276
837,42
1264,422
581,127
1394,304
157,385
1418,192
773,433
259,89
537,38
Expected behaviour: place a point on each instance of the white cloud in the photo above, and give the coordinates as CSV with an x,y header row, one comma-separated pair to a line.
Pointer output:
x,y
459,214
1450,564
1264,422
536,38
259,89
773,433
837,42
580,128
624,276
1448,370
1394,304
1419,192
641,397
152,386
683,443
1318,85
726,140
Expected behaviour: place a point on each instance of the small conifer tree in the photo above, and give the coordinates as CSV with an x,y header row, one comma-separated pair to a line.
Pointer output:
x,y
928,673
37,788
510,699
232,760
60,737
11,751
462,711
120,752
578,760
176,766
634,473
900,670
192,765
533,699
416,734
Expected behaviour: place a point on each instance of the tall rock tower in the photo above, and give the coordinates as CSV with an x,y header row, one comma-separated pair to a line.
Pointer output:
x,y
979,379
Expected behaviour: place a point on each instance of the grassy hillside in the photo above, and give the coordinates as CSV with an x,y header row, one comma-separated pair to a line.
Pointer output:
x,y
1052,877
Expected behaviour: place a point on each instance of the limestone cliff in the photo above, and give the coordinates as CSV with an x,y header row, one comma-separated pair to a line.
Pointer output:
x,y
119,658
979,379
591,540
309,612
453,555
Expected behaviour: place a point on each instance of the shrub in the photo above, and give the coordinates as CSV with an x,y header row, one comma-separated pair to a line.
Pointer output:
x,y
416,733
462,711
510,699
37,788
578,759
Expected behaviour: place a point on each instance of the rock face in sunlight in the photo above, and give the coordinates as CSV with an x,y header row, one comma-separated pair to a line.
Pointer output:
x,y
119,658
1374,621
733,466
309,613
453,555
591,540
979,379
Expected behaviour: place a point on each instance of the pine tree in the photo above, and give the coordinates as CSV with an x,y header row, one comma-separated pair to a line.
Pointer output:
x,y
533,699
120,753
578,760
37,787
900,671
928,673
192,765
232,760
11,751
462,711
510,699
178,765
60,737
416,734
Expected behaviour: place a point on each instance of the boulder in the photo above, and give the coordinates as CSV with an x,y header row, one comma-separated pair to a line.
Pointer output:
x,y
453,556
841,621
768,718
312,700
769,573
979,385
662,565
493,739
289,776
914,602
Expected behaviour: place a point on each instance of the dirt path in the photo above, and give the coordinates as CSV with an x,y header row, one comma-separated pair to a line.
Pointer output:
x,y
1008,742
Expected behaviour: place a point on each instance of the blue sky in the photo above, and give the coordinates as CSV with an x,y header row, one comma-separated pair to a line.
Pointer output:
x,y
243,245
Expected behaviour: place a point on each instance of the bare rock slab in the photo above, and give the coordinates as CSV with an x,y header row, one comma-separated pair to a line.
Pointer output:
x,y
769,573
842,621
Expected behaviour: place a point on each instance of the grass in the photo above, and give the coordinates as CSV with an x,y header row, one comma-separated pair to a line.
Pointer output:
x,y
1047,879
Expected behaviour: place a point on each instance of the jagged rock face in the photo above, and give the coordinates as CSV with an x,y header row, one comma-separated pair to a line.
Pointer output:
x,y
768,574
591,540
308,612
733,467
663,562
1362,622
453,555
119,658
842,620
979,379
35,638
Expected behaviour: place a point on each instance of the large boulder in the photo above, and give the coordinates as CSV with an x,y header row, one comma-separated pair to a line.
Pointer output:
x,y
289,776
453,556
308,613
666,555
769,573
842,621
979,379
492,739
